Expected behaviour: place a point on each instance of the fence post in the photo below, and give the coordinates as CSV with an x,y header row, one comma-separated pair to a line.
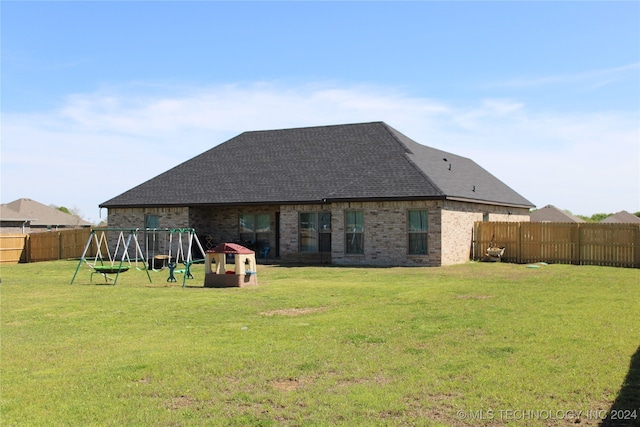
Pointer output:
x,y
519,244
636,248
474,236
575,244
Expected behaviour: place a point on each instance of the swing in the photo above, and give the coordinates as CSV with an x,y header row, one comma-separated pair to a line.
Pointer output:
x,y
121,251
160,261
180,255
107,269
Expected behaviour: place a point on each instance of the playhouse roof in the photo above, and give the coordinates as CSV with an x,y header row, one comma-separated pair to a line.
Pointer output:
x,y
230,248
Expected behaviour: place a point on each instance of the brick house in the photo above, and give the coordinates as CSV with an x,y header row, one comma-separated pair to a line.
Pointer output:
x,y
355,194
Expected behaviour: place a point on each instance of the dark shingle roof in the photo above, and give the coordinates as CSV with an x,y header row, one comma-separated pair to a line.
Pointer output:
x,y
342,162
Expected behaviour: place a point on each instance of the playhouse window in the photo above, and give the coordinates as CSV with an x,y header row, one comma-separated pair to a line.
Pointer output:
x,y
417,231
354,232
315,231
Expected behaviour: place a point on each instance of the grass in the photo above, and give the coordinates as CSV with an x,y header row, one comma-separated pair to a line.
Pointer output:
x,y
464,345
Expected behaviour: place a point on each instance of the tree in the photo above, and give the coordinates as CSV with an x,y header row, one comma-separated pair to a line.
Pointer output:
x,y
65,210
599,217
595,217
75,211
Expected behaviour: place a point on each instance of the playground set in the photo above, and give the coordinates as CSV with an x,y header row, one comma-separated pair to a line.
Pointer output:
x,y
165,248
177,245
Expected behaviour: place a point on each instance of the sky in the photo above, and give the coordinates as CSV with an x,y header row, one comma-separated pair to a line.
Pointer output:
x,y
99,97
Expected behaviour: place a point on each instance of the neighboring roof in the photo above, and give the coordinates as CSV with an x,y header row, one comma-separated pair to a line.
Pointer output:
x,y
230,248
8,214
622,217
43,215
363,161
552,214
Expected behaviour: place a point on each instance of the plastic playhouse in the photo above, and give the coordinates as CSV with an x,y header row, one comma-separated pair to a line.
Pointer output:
x,y
218,274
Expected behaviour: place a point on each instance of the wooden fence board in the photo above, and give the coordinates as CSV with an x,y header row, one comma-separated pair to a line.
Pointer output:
x,y
616,245
12,248
44,246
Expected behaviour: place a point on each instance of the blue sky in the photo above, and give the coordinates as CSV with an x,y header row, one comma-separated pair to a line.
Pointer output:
x,y
98,97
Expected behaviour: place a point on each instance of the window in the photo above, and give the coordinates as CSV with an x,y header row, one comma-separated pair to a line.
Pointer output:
x,y
151,221
417,230
354,232
315,231
254,228
152,240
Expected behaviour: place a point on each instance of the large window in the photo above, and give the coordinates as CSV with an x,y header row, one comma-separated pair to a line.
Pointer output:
x,y
354,232
315,231
417,230
151,238
254,229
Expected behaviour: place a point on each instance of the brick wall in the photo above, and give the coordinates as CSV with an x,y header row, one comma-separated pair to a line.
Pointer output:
x,y
177,217
450,226
174,217
457,222
385,234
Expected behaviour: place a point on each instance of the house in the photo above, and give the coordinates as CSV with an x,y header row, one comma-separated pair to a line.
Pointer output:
x,y
354,194
12,222
36,217
552,214
622,217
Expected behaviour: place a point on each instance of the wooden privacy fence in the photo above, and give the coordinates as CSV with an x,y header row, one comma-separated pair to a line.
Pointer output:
x,y
615,245
12,248
45,246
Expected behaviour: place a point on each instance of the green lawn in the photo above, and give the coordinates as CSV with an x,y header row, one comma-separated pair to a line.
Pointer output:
x,y
473,344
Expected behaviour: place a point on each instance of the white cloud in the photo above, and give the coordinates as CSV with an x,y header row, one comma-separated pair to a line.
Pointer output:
x,y
97,145
599,77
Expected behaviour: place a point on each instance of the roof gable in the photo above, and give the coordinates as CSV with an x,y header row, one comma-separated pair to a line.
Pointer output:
x,y
8,214
552,214
302,165
622,217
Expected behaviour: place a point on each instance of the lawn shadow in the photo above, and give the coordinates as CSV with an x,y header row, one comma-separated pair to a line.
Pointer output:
x,y
625,410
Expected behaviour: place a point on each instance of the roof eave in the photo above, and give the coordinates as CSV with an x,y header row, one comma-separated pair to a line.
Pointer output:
x,y
491,202
274,202
321,201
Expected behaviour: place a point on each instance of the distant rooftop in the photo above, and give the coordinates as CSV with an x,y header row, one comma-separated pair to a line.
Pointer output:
x,y
622,217
41,215
550,213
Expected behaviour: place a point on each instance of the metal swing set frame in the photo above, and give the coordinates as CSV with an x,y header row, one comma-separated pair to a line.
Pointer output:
x,y
115,264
